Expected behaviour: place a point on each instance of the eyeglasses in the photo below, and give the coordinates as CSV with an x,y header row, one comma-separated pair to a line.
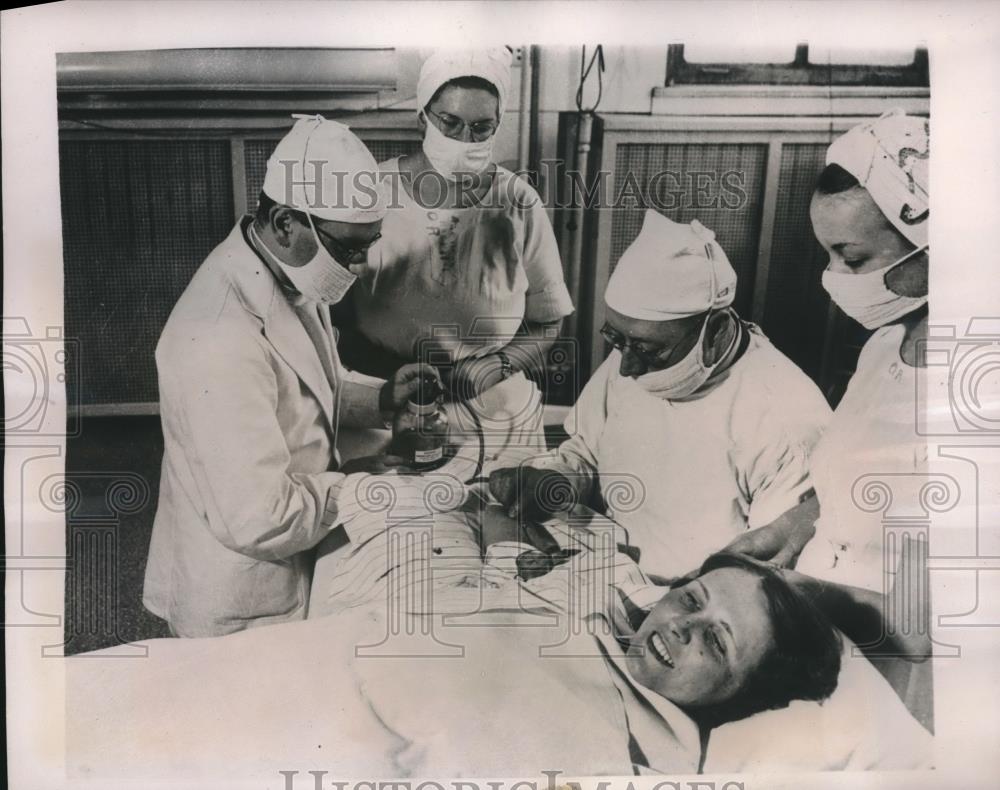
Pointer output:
x,y
344,253
453,127
650,356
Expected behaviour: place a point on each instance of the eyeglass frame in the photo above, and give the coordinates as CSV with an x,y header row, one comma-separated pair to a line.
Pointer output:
x,y
623,342
341,252
454,134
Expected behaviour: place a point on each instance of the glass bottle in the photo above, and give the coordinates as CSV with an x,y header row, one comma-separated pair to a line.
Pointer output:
x,y
420,428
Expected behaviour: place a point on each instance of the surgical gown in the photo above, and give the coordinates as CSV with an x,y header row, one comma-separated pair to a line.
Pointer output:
x,y
871,448
687,477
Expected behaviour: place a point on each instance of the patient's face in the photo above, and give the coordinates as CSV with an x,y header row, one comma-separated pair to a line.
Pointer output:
x,y
701,641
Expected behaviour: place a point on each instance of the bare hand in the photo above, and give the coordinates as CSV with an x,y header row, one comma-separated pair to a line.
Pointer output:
x,y
402,384
896,623
767,544
781,542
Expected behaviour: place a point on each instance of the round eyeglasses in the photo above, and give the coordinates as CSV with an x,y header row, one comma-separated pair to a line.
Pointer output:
x,y
453,127
650,356
344,253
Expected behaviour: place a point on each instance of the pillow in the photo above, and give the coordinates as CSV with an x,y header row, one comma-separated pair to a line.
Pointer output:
x,y
862,726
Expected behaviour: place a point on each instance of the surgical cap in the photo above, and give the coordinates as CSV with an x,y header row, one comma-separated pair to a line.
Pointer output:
x,y
492,65
671,271
340,181
889,156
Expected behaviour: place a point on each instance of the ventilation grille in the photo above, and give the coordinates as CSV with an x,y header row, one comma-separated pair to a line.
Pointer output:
x,y
719,184
139,216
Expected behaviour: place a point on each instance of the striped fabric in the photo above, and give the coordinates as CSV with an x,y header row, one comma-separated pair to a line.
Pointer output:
x,y
425,555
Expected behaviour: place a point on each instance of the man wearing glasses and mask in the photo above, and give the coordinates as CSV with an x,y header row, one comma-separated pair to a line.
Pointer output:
x,y
694,408
252,393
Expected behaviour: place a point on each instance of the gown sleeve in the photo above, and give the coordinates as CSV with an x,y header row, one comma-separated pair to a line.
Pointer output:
x,y
547,298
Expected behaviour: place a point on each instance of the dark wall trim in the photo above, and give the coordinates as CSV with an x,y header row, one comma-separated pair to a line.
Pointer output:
x,y
799,72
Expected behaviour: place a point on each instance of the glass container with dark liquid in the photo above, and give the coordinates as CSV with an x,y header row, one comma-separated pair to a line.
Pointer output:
x,y
420,428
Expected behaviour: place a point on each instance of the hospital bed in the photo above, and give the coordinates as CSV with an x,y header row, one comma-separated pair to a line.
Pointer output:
x,y
299,696
305,696
864,725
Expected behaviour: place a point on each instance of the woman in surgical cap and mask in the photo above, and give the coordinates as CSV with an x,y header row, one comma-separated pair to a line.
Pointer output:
x,y
468,270
870,213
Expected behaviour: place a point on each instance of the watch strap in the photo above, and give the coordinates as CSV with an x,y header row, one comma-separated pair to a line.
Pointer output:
x,y
506,368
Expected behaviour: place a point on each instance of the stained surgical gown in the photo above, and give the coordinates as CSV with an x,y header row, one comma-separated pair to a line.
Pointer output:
x,y
461,282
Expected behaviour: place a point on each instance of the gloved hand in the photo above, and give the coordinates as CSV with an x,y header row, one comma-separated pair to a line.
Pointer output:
x,y
532,494
403,383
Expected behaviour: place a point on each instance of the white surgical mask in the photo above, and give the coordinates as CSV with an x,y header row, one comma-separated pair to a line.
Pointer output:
x,y
867,299
451,157
685,377
322,279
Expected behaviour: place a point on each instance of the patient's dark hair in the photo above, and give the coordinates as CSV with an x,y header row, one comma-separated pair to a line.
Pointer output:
x,y
803,661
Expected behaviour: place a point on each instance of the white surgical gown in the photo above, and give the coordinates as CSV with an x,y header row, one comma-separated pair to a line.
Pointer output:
x,y
251,394
871,447
687,477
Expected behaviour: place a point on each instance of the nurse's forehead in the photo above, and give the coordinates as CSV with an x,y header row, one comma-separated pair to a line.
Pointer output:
x,y
846,218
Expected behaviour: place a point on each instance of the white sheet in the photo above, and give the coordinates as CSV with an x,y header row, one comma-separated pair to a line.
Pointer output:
x,y
863,726
334,694
296,697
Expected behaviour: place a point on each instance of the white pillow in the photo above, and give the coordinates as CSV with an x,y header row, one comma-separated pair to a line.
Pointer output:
x,y
862,726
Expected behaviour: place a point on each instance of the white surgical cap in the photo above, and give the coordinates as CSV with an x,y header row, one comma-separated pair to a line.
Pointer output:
x,y
671,271
322,168
492,65
889,157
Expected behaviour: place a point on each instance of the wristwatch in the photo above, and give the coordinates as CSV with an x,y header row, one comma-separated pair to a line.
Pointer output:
x,y
506,369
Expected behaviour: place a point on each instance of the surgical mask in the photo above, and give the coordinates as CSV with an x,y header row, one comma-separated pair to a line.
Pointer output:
x,y
685,377
867,298
322,279
451,157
